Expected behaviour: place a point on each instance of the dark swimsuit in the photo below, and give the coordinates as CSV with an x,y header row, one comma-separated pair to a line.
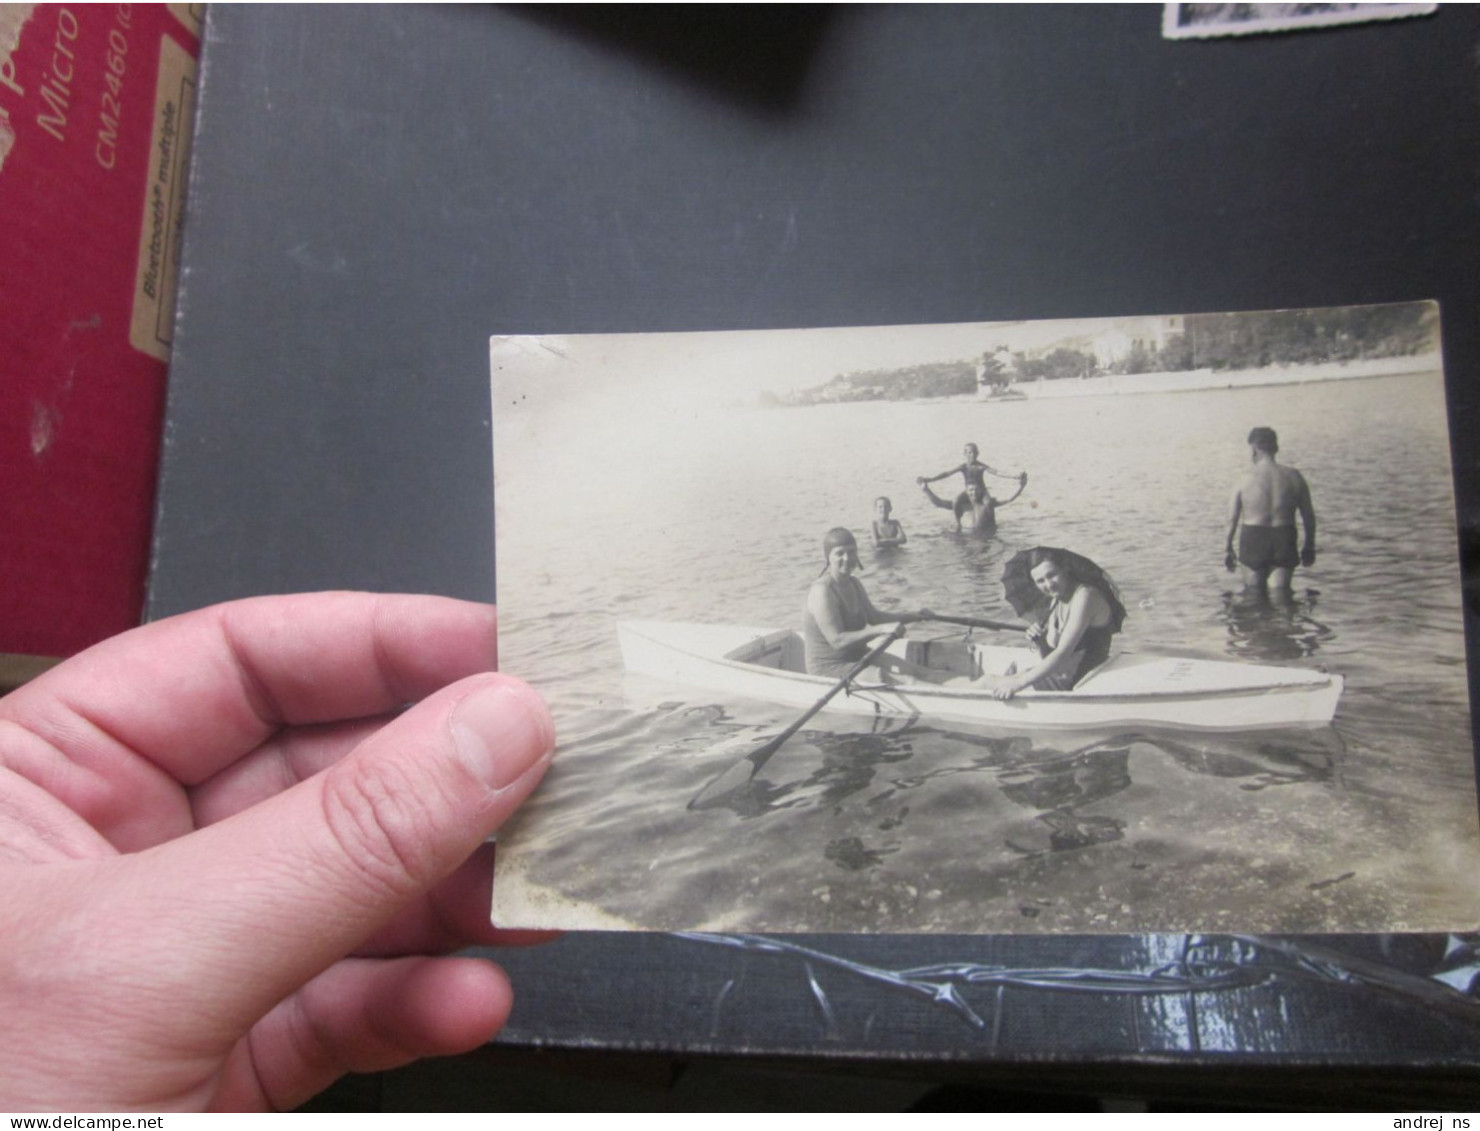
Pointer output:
x,y
1262,548
822,657
1093,650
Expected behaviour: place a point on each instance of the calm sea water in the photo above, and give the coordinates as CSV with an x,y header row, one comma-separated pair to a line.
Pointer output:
x,y
1369,825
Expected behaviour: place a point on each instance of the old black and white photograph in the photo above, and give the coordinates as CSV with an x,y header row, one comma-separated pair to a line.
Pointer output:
x,y
1204,21
1111,625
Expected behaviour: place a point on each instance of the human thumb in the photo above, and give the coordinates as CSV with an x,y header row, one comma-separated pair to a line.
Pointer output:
x,y
268,898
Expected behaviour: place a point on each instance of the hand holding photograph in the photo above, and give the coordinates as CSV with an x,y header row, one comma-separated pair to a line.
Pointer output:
x,y
989,628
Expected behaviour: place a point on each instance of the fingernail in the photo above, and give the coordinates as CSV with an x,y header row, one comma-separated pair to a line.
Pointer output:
x,y
501,732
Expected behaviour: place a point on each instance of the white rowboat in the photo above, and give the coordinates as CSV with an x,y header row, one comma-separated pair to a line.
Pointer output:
x,y
767,664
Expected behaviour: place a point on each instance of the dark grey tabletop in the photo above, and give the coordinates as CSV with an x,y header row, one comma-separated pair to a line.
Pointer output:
x,y
377,190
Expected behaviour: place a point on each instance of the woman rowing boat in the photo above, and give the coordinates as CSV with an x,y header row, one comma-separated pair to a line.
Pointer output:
x,y
839,620
1074,638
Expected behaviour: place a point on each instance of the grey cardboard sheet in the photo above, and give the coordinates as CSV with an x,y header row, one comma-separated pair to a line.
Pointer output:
x,y
376,191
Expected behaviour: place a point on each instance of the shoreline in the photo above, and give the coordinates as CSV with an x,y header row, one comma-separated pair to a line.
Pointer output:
x,y
1181,381
1198,380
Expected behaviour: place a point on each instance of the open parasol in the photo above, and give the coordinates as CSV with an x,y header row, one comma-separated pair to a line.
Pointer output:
x,y
1023,594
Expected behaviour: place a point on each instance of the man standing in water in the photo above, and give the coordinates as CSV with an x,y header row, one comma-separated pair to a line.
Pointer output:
x,y
973,473
976,508
1266,504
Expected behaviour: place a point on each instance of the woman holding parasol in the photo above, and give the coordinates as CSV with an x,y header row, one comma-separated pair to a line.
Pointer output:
x,y
1084,612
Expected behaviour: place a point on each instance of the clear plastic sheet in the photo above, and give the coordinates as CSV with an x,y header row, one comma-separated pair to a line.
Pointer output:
x,y
1230,999
1195,966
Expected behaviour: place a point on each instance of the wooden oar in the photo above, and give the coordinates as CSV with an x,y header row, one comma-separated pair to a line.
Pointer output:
x,y
742,772
969,622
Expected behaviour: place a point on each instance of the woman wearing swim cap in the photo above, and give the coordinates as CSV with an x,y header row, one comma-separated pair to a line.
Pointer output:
x,y
839,620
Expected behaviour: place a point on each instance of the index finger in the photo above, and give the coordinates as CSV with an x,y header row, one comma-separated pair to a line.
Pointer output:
x,y
193,693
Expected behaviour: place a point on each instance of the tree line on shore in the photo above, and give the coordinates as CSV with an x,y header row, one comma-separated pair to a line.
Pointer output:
x,y
1205,341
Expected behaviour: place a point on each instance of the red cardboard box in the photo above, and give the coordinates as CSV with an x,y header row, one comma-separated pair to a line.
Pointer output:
x,y
95,110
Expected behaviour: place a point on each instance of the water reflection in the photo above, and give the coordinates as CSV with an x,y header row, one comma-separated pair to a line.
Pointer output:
x,y
1274,627
1057,784
1079,778
1271,761
981,559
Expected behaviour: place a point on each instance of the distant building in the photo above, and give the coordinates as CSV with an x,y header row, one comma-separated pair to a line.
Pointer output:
x,y
1121,340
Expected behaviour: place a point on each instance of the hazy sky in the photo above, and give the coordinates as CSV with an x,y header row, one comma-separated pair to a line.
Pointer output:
x,y
737,365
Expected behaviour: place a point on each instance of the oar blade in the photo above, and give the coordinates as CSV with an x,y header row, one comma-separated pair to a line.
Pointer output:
x,y
739,775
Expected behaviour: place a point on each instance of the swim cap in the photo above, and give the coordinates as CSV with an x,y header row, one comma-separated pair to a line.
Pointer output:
x,y
839,536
